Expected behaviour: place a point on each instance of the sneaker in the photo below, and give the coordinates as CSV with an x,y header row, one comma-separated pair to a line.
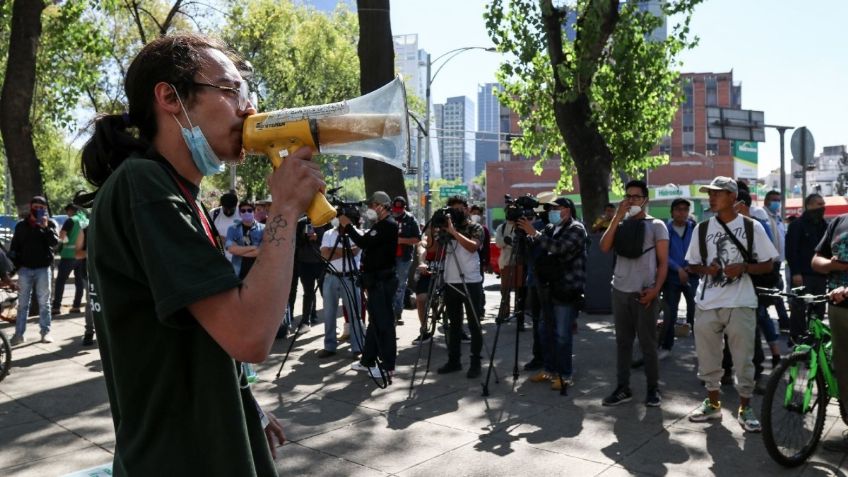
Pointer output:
x,y
56,311
540,377
450,367
17,339
75,309
653,399
343,337
533,365
557,383
621,395
706,412
663,354
88,339
748,419
324,353
464,337
358,366
423,337
46,338
474,370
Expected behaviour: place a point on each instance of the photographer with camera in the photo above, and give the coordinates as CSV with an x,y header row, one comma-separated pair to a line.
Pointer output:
x,y
560,269
379,281
464,282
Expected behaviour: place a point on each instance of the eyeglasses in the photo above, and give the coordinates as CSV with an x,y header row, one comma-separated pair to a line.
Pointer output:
x,y
244,211
634,197
242,93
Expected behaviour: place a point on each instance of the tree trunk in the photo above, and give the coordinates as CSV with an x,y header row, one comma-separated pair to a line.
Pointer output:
x,y
16,102
376,68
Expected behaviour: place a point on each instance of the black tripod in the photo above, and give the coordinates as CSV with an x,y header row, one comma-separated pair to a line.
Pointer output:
x,y
434,308
516,260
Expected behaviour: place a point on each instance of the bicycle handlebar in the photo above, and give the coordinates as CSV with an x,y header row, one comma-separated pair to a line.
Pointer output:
x,y
795,293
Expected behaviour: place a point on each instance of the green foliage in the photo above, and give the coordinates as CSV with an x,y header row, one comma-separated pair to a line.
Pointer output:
x,y
630,80
300,57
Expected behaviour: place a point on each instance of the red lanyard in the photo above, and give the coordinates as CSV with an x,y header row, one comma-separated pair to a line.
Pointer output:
x,y
202,216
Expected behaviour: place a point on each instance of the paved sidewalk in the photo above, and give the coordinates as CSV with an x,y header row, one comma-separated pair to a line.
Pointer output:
x,y
54,413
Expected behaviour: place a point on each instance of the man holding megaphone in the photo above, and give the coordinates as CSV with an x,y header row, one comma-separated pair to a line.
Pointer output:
x,y
174,323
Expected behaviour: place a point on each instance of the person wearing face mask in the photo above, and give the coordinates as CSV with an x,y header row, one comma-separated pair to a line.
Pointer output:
x,y
243,239
31,250
223,217
638,277
409,234
801,240
561,277
379,280
174,323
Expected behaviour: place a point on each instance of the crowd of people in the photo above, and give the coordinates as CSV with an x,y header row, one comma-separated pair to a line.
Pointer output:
x,y
203,290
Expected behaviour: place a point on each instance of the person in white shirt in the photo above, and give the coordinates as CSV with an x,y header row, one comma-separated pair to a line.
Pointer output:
x,y
726,299
224,217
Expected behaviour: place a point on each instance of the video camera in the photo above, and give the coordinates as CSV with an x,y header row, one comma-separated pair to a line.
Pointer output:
x,y
348,209
440,217
521,207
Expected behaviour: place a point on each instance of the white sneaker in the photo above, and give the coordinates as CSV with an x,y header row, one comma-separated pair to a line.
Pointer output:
x,y
374,371
663,354
46,338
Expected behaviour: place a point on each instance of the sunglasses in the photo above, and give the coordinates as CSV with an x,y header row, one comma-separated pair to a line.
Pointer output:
x,y
243,211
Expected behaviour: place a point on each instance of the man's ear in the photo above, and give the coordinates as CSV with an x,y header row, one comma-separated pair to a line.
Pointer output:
x,y
166,99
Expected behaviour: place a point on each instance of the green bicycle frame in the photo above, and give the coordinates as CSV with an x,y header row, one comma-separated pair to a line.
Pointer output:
x,y
820,359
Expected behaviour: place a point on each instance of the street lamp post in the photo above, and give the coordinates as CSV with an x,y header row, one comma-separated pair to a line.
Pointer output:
x,y
426,169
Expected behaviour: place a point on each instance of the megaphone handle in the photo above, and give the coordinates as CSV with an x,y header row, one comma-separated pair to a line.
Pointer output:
x,y
320,211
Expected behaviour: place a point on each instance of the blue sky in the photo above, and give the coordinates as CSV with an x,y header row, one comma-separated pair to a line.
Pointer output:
x,y
789,56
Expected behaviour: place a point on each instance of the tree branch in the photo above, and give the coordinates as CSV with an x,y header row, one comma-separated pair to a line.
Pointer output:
x,y
594,28
166,25
133,8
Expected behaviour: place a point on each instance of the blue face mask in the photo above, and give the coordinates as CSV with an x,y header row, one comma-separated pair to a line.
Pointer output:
x,y
204,157
247,217
774,206
554,217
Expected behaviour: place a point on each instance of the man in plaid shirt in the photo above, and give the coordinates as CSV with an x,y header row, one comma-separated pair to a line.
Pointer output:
x,y
561,275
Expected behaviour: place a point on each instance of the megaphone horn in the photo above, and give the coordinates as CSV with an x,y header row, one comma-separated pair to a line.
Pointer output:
x,y
374,125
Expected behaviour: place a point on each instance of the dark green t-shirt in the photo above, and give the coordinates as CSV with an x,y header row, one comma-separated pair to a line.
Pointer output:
x,y
176,401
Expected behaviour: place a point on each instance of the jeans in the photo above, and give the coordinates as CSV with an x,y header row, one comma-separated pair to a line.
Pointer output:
x,y
380,334
402,272
66,266
30,279
671,295
336,287
455,300
766,325
534,305
555,330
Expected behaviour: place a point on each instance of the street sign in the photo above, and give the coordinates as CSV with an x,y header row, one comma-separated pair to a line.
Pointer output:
x,y
450,191
803,146
736,124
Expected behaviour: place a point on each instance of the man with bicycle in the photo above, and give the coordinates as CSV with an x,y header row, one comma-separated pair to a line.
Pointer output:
x,y
726,299
831,258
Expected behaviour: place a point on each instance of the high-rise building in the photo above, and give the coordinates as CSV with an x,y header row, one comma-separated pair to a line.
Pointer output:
x,y
438,152
457,144
488,126
652,6
693,155
411,64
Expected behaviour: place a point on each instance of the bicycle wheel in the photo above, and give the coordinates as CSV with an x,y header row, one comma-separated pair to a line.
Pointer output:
x,y
5,355
790,434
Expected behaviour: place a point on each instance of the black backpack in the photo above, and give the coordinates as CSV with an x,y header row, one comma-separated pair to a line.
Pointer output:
x,y
765,280
629,239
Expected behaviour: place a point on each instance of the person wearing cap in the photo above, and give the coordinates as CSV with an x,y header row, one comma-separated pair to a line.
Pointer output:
x,y
679,281
223,217
726,300
636,283
561,278
31,250
409,234
77,220
379,280
262,208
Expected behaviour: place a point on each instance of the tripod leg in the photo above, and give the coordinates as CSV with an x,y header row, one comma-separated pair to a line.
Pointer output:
x,y
437,315
515,362
291,345
492,361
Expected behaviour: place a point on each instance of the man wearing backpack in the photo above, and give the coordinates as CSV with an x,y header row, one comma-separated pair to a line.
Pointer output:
x,y
641,264
728,250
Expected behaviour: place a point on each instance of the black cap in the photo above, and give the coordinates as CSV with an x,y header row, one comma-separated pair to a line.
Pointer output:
x,y
679,201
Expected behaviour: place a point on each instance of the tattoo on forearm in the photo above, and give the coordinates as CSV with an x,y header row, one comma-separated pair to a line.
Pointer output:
x,y
274,230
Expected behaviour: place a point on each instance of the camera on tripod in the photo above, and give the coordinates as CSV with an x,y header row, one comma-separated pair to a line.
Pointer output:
x,y
521,207
348,209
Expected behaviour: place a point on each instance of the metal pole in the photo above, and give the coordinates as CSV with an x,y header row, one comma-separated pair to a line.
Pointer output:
x,y
427,160
804,166
419,187
232,177
782,131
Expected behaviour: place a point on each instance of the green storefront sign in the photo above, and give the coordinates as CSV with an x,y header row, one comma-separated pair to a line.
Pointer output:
x,y
745,158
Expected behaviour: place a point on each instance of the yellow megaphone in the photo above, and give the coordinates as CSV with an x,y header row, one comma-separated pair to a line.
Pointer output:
x,y
374,126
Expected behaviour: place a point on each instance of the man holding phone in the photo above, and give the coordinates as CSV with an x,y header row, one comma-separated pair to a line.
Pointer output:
x,y
31,251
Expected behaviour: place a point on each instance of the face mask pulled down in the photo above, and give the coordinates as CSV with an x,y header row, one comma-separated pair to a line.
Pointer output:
x,y
204,157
